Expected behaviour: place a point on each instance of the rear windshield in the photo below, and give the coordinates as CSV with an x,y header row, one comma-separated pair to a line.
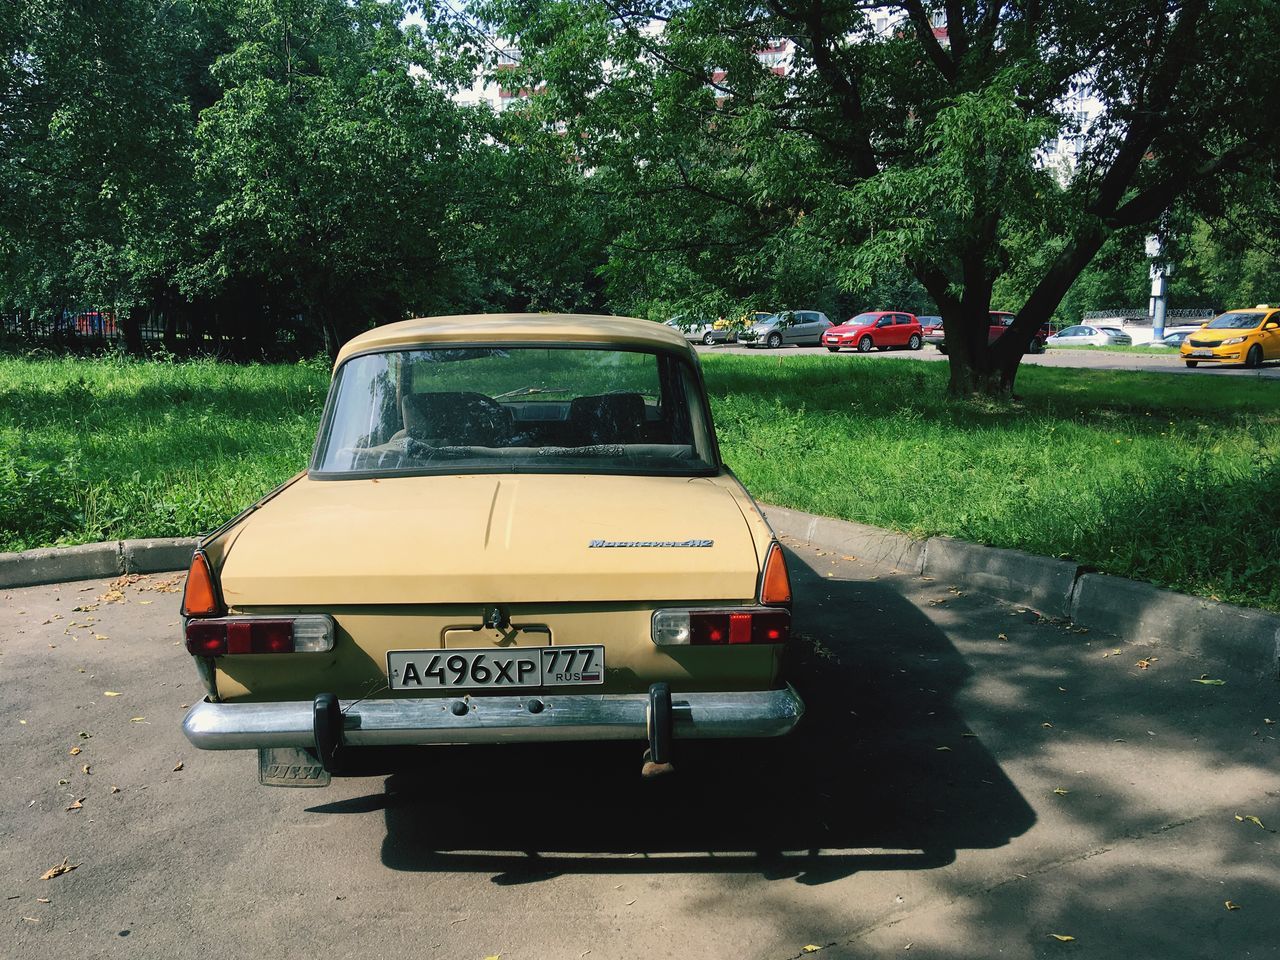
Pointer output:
x,y
515,409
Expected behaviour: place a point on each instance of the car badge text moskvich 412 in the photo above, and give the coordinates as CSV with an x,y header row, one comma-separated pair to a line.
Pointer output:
x,y
651,543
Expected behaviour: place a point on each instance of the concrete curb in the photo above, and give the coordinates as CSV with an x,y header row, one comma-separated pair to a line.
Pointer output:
x,y
1139,612
883,547
94,561
1040,582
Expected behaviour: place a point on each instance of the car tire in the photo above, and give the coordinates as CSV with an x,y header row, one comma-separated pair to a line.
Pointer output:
x,y
865,345
709,339
942,349
1193,363
833,349
915,343
773,341
1253,359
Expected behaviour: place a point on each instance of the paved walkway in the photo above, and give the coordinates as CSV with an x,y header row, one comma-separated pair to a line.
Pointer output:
x,y
969,781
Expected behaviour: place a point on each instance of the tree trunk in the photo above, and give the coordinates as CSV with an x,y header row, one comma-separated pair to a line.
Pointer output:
x,y
132,333
171,329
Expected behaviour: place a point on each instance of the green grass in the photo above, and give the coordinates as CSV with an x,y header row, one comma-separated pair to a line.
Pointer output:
x,y
1116,348
1162,478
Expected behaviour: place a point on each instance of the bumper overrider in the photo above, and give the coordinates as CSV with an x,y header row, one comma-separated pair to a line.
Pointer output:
x,y
326,722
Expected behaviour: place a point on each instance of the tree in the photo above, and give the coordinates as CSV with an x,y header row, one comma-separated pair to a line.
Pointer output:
x,y
95,175
333,168
913,145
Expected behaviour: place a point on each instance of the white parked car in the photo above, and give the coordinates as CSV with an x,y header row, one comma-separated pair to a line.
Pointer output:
x,y
1084,335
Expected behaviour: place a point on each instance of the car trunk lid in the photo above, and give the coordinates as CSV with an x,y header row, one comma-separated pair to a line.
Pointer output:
x,y
492,539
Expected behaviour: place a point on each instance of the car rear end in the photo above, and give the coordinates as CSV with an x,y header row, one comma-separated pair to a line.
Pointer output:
x,y
518,591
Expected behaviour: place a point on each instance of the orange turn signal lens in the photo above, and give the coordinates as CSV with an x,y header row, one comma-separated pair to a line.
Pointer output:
x,y
200,599
775,585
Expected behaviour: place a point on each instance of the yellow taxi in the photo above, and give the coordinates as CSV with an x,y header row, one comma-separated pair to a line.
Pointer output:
x,y
742,322
1237,336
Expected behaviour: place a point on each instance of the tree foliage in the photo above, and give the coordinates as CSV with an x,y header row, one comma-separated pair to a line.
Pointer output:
x,y
258,168
912,147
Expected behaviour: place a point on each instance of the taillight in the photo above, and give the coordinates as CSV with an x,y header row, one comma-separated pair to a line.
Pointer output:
x,y
311,633
200,597
675,628
775,585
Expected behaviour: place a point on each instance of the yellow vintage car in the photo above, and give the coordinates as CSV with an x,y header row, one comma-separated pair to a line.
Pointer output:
x,y
1237,336
512,528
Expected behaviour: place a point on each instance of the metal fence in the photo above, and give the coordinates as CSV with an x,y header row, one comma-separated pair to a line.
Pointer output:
x,y
1138,316
85,326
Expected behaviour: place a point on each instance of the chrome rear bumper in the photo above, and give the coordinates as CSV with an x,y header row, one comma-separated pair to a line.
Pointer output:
x,y
407,722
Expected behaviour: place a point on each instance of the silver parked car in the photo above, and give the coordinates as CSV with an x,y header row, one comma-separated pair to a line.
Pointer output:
x,y
1173,336
699,331
800,327
1084,335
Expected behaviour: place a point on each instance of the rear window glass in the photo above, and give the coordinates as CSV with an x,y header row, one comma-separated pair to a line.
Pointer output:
x,y
515,409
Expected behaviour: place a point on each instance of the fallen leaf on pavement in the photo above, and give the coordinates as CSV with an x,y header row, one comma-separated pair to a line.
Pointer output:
x,y
66,866
1003,636
1047,725
1231,905
1062,937
1144,664
630,902
137,719
1110,653
110,693
98,636
42,899
1251,819
1060,791
83,735
115,789
177,766
1267,720
31,919
77,804
85,769
942,748
1204,678
74,751
811,948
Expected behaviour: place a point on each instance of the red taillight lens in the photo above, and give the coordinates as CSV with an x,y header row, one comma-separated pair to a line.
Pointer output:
x,y
709,628
206,638
213,638
771,627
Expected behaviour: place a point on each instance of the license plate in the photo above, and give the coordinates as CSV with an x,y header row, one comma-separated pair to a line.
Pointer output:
x,y
1202,353
494,668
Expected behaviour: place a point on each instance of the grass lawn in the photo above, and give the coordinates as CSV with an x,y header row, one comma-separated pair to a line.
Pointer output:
x,y
1168,479
1116,348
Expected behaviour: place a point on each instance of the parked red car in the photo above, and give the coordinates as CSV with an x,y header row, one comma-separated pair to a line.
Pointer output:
x,y
1001,320
883,330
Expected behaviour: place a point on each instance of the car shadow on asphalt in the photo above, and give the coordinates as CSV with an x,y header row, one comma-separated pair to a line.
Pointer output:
x,y
882,774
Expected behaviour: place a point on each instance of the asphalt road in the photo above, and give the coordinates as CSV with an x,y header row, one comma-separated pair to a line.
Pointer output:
x,y
1061,357
969,782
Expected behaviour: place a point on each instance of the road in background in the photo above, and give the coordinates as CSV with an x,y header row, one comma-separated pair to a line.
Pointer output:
x,y
970,781
1053,357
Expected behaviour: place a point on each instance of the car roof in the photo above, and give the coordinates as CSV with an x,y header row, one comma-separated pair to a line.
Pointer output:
x,y
498,328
